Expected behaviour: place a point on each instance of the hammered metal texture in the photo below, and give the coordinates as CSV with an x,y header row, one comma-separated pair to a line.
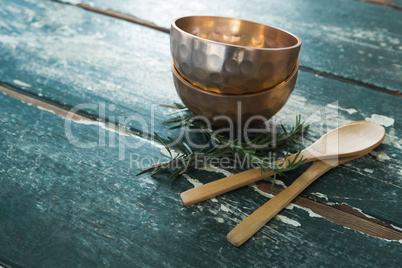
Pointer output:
x,y
232,56
237,109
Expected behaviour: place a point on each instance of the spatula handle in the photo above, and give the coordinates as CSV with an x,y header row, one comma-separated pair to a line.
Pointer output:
x,y
248,227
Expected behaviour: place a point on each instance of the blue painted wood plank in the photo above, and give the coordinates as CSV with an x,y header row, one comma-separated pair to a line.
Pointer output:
x,y
352,39
65,206
73,57
87,58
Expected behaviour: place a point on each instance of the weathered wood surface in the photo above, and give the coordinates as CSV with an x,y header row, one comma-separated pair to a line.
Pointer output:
x,y
119,74
397,3
351,39
69,56
66,206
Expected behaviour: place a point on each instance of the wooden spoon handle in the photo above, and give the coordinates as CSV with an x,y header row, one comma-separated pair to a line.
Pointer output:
x,y
230,183
221,186
248,227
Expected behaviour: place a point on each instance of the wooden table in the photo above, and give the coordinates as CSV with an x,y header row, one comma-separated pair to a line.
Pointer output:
x,y
72,198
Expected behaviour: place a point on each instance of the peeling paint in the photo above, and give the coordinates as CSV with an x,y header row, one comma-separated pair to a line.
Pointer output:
x,y
290,206
321,195
21,83
368,170
396,227
392,139
254,186
146,180
44,109
194,182
287,220
280,183
220,220
381,120
165,152
349,111
309,211
360,211
381,156
225,208
383,239
104,126
216,170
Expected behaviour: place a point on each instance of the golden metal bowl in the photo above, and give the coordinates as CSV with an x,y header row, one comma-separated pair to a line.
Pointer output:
x,y
231,110
232,56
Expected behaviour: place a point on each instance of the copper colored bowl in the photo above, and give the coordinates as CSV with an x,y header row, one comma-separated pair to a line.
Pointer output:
x,y
222,110
232,56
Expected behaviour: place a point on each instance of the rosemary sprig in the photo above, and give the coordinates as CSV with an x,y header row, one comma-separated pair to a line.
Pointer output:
x,y
237,152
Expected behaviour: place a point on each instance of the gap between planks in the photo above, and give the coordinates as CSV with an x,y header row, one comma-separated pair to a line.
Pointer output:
x,y
60,110
341,214
8,264
338,214
388,3
136,20
351,81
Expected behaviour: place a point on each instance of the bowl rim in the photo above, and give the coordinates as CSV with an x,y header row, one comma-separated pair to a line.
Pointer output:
x,y
298,44
283,83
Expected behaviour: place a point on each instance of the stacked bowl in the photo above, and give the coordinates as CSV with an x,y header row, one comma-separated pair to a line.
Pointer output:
x,y
232,71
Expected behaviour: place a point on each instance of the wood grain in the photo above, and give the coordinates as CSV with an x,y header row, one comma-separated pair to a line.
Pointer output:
x,y
40,103
126,17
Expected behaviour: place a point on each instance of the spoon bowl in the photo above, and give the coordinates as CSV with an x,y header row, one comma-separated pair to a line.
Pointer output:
x,y
348,140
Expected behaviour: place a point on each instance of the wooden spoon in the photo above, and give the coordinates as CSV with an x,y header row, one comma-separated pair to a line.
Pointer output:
x,y
249,226
346,141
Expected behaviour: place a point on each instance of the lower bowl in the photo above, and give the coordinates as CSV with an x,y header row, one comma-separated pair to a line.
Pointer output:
x,y
233,110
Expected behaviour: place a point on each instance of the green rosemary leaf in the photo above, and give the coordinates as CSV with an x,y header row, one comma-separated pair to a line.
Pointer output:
x,y
174,120
177,126
168,106
180,106
158,170
273,180
237,151
178,146
177,172
175,106
163,143
284,129
188,148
